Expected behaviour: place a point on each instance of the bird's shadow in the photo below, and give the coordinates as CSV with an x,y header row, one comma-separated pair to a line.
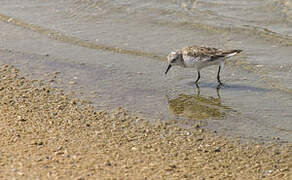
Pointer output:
x,y
233,87
195,106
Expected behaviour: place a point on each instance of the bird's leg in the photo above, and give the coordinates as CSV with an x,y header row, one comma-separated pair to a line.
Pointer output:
x,y
198,77
218,75
199,92
218,90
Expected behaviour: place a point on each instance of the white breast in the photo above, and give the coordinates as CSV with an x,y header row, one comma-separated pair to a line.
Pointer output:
x,y
200,62
193,62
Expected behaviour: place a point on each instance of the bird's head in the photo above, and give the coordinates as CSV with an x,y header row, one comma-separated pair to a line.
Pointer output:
x,y
174,59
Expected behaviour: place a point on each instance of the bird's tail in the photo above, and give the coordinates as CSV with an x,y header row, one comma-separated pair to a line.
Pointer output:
x,y
231,52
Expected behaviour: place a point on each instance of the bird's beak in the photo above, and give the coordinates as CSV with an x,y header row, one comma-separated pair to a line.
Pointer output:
x,y
169,66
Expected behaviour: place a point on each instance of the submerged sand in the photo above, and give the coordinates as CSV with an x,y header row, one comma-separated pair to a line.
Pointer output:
x,y
46,134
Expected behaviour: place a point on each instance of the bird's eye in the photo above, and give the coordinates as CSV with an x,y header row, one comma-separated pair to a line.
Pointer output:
x,y
173,61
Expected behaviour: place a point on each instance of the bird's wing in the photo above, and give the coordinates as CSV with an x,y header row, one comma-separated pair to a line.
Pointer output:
x,y
203,53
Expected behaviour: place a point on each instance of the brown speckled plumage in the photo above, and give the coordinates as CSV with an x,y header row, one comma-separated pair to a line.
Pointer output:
x,y
204,51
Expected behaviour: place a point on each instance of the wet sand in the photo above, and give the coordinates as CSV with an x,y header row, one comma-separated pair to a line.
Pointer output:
x,y
46,134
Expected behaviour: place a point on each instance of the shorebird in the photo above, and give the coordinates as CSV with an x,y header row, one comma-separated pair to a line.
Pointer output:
x,y
199,57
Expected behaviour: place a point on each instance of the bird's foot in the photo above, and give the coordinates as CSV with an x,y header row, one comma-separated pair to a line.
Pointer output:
x,y
220,84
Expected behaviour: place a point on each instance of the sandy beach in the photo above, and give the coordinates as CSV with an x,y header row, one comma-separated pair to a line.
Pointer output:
x,y
46,134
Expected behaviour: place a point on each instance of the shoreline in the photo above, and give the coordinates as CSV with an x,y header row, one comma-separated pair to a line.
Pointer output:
x,y
47,134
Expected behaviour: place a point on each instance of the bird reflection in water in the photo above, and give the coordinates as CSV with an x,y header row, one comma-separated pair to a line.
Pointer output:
x,y
197,107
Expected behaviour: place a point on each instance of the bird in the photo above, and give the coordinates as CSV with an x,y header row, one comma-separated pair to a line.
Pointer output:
x,y
199,57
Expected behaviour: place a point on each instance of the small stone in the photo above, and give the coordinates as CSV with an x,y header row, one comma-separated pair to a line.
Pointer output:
x,y
108,164
20,173
276,138
10,19
14,169
259,65
173,166
59,153
20,118
39,160
38,143
217,150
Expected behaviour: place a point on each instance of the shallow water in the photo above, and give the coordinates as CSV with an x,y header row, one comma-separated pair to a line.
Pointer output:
x,y
114,51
